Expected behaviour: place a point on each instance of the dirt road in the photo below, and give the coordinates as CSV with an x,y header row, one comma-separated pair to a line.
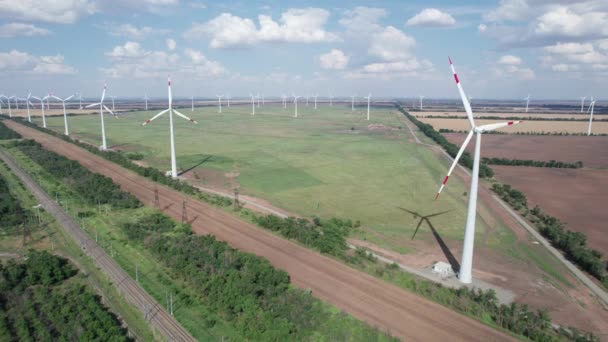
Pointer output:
x,y
153,312
390,308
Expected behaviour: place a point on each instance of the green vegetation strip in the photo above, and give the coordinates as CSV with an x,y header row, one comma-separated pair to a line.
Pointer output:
x,y
533,163
447,130
465,160
478,304
40,301
11,211
572,244
7,133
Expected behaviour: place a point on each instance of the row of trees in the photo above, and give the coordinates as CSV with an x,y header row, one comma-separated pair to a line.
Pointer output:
x,y
11,211
466,160
572,244
7,133
93,187
38,304
244,289
512,118
533,163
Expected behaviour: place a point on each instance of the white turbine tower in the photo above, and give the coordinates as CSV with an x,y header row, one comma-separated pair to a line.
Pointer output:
x,y
369,96
27,103
219,102
590,111
252,104
295,104
80,101
48,103
102,106
65,115
171,111
112,97
306,100
583,103
228,100
331,102
352,103
466,262
10,113
42,108
192,107
284,98
421,98
527,99
315,101
146,98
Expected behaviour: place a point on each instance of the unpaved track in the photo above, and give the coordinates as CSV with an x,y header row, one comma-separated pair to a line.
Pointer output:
x,y
390,308
154,313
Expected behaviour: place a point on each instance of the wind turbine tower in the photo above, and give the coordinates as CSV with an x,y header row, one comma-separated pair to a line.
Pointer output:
x,y
65,115
102,106
352,103
252,104
369,96
42,108
315,101
146,98
527,99
583,103
219,103
295,104
421,98
465,274
591,108
171,111
112,97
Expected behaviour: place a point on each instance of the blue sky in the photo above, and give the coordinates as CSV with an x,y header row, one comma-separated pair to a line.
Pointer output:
x,y
502,49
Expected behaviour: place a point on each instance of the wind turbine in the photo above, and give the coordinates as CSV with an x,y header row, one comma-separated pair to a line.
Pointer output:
x,y
65,115
8,100
421,98
331,103
527,99
42,107
171,111
352,103
258,100
228,100
583,103
368,100
591,108
284,98
465,274
219,101
16,101
146,98
315,101
48,103
295,103
112,97
103,146
192,108
27,103
263,103
252,104
80,101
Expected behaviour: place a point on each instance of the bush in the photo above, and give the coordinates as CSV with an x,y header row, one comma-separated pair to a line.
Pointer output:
x,y
7,133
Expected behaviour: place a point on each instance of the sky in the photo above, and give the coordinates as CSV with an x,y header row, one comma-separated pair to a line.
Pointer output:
x,y
502,49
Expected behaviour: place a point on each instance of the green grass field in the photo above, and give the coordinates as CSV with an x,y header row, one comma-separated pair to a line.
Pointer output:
x,y
328,162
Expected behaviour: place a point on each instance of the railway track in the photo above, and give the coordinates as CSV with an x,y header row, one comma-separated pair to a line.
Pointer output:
x,y
386,306
154,313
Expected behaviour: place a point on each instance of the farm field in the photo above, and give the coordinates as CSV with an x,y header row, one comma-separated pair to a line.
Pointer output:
x,y
589,150
334,163
574,196
528,126
519,114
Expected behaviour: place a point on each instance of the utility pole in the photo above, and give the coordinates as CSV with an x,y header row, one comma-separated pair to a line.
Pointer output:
x,y
156,198
184,212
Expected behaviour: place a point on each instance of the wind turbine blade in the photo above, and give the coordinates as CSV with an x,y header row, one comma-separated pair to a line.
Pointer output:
x,y
411,212
154,117
463,96
417,227
69,98
183,116
36,98
103,94
460,152
92,105
491,127
111,112
56,98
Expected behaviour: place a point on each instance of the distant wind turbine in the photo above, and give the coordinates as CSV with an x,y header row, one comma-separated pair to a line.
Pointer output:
x,y
295,104
369,97
352,103
591,108
315,101
146,98
228,100
583,103
170,110
284,100
65,115
219,102
102,106
258,97
27,103
112,97
527,99
252,104
331,97
42,107
80,101
8,100
306,100
421,98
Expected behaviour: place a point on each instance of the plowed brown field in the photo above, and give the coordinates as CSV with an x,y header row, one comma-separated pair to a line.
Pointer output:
x,y
400,313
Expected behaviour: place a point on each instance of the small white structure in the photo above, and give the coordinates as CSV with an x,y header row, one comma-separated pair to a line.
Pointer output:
x,y
443,269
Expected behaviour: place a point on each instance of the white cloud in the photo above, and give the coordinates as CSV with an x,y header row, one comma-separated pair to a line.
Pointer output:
x,y
482,28
431,17
17,61
197,5
171,44
411,68
335,59
565,21
132,61
391,44
129,50
51,11
19,29
509,60
576,56
509,10
130,31
295,25
569,48
362,20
